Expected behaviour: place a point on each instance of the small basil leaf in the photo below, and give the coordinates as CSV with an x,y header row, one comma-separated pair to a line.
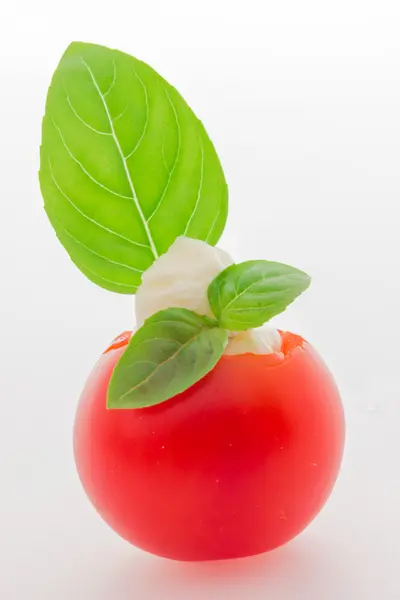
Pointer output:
x,y
248,294
125,166
170,352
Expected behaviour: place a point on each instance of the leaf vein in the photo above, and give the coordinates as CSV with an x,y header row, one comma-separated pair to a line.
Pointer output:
x,y
78,116
246,289
216,217
199,189
113,80
154,339
120,114
163,156
124,163
78,162
174,322
146,121
164,362
122,237
161,199
114,262
109,280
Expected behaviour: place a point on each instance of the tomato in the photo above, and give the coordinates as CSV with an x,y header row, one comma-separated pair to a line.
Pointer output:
x,y
236,465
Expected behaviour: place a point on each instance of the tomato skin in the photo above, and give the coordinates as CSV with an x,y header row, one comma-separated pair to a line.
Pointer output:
x,y
237,465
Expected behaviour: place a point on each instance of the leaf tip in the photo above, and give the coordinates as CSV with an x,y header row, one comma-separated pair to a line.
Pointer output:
x,y
75,46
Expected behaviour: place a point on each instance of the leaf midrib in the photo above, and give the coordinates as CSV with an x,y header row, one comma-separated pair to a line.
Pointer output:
x,y
121,154
261,280
164,362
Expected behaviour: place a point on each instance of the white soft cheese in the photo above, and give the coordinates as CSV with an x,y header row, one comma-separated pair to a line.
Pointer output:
x,y
180,278
265,340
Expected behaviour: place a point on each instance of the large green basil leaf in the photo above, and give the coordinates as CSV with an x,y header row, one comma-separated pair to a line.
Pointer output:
x,y
126,166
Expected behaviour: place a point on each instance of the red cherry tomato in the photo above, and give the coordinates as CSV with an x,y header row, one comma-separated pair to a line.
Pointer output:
x,y
238,464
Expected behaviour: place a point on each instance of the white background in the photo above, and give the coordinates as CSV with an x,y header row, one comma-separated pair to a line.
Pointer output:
x,y
302,100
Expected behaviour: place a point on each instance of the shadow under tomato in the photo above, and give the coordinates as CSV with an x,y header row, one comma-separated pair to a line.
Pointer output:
x,y
305,564
240,568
